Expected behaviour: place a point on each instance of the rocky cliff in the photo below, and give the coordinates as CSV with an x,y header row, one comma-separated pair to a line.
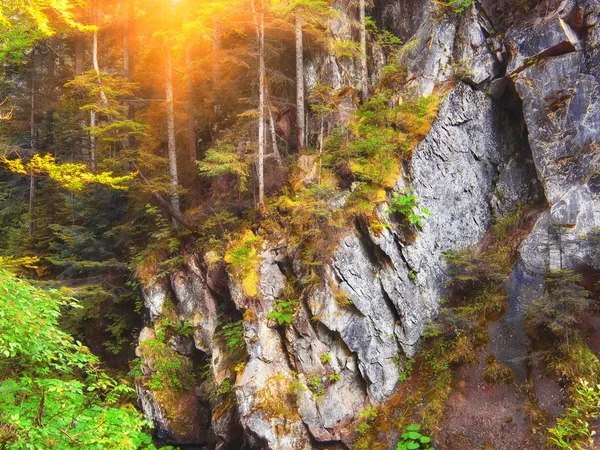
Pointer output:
x,y
518,124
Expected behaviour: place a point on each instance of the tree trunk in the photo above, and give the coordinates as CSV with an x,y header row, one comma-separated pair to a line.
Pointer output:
x,y
275,153
191,122
171,143
364,75
32,179
260,32
127,40
300,116
103,100
129,56
79,53
321,138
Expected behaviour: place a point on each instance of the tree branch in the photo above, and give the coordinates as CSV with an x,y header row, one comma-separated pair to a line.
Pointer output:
x,y
164,204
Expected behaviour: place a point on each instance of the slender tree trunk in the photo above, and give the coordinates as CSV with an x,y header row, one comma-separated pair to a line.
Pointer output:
x,y
79,53
97,66
79,69
260,32
92,140
217,46
300,116
103,100
32,179
364,75
276,154
191,122
129,55
321,138
171,143
126,43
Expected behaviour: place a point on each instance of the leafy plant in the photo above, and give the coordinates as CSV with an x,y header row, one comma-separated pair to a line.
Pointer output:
x,y
574,430
335,377
283,311
412,439
225,387
233,333
53,394
407,370
406,205
325,358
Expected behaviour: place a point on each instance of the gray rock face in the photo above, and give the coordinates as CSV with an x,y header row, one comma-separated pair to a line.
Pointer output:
x,y
154,298
267,413
562,112
549,37
195,303
517,183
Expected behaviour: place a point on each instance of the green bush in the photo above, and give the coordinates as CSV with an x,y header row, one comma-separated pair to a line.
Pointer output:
x,y
406,205
284,311
574,430
53,394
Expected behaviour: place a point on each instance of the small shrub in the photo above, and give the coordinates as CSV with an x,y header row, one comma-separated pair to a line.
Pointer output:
x,y
284,311
574,430
233,333
561,308
244,260
325,358
296,387
335,377
225,387
315,384
369,413
496,372
412,439
406,205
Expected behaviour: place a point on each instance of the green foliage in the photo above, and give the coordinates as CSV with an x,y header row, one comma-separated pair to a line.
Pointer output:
x,y
230,155
284,311
233,333
226,387
406,205
458,6
225,160
52,392
334,377
317,387
325,358
161,255
412,439
69,175
366,418
575,429
406,370
171,370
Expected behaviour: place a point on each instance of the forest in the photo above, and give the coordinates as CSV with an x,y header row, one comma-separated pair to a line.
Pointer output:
x,y
299,224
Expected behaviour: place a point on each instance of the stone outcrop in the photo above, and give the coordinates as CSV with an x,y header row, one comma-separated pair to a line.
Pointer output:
x,y
518,124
